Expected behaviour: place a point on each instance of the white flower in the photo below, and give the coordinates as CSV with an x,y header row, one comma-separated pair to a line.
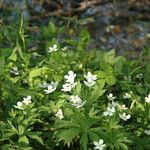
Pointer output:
x,y
53,48
127,78
44,85
147,132
127,96
90,79
50,89
66,87
123,107
110,97
70,77
147,99
19,105
124,116
110,111
64,48
89,84
99,145
112,104
139,76
59,114
54,84
14,71
27,100
77,101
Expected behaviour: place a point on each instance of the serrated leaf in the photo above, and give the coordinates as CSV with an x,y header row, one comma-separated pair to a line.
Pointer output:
x,y
110,80
23,140
93,136
35,135
84,140
77,89
101,74
123,146
69,135
2,64
95,94
109,56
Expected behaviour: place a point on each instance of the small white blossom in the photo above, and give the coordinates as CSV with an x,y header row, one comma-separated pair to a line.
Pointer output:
x,y
124,116
14,71
64,48
27,100
99,145
44,85
110,111
123,107
54,84
66,87
90,79
53,48
147,99
70,77
127,96
19,105
59,114
111,97
113,104
50,89
77,101
127,78
89,84
139,76
147,132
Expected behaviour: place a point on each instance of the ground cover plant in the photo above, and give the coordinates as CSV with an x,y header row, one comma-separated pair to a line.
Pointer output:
x,y
65,95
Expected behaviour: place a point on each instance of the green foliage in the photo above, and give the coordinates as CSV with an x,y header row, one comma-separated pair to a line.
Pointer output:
x,y
61,98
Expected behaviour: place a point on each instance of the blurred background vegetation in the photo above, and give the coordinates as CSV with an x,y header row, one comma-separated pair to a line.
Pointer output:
x,y
119,24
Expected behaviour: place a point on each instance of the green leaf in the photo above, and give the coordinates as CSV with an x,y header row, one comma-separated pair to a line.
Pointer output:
x,y
69,135
101,74
77,89
93,136
123,146
38,72
2,64
35,135
95,94
110,80
21,129
84,140
109,56
23,140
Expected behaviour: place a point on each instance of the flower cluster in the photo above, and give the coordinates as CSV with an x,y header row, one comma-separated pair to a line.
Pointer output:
x,y
21,105
70,83
111,106
90,79
77,101
99,145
